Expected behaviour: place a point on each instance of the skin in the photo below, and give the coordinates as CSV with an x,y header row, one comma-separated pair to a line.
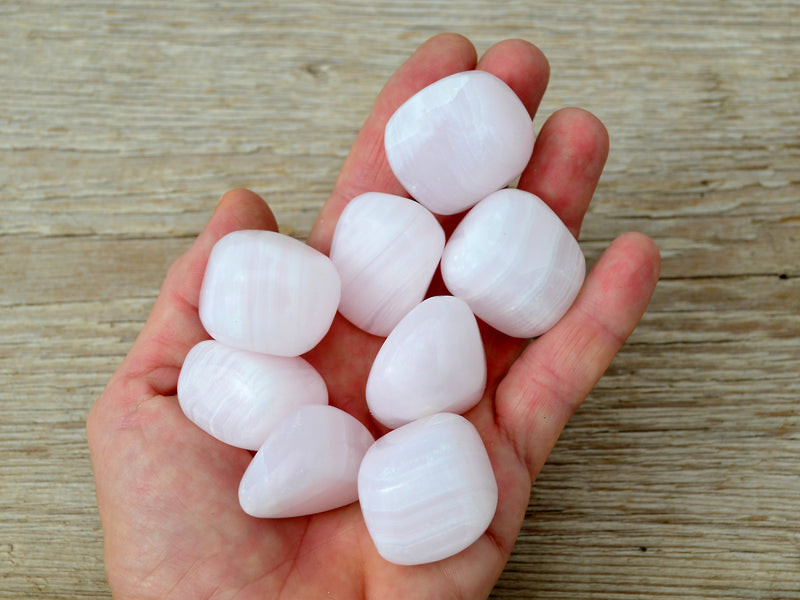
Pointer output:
x,y
167,492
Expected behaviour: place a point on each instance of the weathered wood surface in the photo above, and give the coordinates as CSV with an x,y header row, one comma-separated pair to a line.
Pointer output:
x,y
122,123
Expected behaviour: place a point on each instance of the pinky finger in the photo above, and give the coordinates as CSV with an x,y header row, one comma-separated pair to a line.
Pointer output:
x,y
557,371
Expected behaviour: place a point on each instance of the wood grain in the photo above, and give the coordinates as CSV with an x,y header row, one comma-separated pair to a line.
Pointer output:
x,y
122,123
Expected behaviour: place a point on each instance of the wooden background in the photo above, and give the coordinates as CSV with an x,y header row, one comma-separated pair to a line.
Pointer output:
x,y
122,123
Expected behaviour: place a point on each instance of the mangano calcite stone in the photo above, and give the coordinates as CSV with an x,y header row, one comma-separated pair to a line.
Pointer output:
x,y
309,464
238,396
458,140
267,292
386,249
515,264
427,490
433,361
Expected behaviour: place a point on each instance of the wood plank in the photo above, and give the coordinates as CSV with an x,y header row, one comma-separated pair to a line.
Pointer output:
x,y
122,125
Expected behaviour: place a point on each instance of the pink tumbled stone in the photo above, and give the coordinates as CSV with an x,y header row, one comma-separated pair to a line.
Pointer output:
x,y
458,140
432,361
308,464
427,490
269,293
386,249
515,263
239,396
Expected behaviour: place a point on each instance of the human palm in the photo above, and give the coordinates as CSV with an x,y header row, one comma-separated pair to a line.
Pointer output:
x,y
167,492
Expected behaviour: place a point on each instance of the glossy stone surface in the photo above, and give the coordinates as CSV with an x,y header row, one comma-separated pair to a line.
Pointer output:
x,y
432,361
458,140
427,490
308,464
515,263
386,249
239,396
269,293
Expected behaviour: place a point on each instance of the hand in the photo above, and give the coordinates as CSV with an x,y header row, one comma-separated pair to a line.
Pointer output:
x,y
167,492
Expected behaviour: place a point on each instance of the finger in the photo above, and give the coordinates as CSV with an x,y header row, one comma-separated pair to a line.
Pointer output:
x,y
522,66
174,325
557,371
567,160
366,168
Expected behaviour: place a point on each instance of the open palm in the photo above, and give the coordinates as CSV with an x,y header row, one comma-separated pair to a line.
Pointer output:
x,y
167,492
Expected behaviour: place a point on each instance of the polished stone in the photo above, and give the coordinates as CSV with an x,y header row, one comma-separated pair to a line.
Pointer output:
x,y
432,361
515,263
458,140
239,396
427,490
309,464
269,293
386,249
